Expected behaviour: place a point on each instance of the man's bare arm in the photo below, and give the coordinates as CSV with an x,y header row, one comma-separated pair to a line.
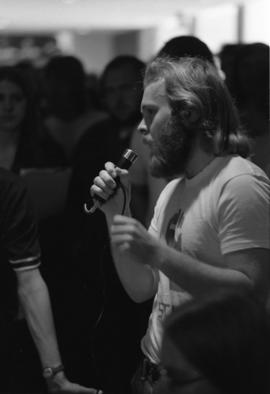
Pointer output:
x,y
34,299
243,270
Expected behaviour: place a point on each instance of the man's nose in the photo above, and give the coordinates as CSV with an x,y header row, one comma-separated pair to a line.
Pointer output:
x,y
142,128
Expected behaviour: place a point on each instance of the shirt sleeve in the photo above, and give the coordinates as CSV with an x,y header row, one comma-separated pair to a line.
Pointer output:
x,y
244,214
19,237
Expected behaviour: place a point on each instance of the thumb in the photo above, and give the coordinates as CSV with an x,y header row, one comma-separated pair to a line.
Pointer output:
x,y
122,175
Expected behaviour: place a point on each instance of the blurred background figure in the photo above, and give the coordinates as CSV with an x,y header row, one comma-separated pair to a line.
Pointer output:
x,y
121,92
22,151
246,67
67,113
19,146
217,346
108,312
190,46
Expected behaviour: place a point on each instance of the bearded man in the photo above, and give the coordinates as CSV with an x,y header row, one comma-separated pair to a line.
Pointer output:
x,y
210,230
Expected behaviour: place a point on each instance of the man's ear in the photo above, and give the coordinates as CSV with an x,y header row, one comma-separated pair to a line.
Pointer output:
x,y
189,116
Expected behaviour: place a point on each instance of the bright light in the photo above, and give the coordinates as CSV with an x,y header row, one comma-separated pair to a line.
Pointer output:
x,y
69,2
256,24
4,23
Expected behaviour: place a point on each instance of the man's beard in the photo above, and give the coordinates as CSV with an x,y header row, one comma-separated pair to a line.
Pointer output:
x,y
172,149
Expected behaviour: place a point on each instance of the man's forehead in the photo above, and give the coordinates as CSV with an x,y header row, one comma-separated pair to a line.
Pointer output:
x,y
154,92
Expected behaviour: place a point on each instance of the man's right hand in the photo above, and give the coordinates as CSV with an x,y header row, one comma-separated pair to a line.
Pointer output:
x,y
105,186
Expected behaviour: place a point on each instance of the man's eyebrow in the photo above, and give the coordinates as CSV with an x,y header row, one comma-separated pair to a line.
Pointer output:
x,y
147,106
143,107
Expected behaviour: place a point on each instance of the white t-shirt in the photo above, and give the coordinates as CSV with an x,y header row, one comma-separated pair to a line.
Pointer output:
x,y
140,174
224,208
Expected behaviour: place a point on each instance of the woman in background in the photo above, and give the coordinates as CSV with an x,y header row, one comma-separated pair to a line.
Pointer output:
x,y
19,146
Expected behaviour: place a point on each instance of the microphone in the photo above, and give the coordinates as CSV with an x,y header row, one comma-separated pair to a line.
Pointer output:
x,y
125,162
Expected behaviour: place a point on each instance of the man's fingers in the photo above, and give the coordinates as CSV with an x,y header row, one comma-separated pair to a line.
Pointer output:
x,y
97,191
122,238
107,179
78,389
120,219
111,168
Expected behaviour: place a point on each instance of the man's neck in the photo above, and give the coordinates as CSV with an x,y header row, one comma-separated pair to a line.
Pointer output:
x,y
198,161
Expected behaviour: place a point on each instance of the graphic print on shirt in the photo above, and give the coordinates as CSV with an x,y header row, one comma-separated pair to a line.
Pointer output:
x,y
173,239
173,234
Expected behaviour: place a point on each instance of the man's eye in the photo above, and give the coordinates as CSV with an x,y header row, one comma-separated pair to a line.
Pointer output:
x,y
150,112
148,117
144,130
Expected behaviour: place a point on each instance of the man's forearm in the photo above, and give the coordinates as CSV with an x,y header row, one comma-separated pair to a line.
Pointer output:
x,y
139,281
35,302
198,277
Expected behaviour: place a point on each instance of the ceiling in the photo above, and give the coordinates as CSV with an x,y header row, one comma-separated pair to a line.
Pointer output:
x,y
86,15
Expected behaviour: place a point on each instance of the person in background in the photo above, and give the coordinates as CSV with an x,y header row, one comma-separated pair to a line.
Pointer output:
x,y
247,76
121,93
145,187
210,229
108,312
217,345
19,147
26,316
67,111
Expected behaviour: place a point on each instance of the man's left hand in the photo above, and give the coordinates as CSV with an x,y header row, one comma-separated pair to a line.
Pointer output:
x,y
130,236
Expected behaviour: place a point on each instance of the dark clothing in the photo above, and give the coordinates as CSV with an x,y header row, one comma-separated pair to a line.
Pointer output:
x,y
19,247
19,250
115,323
32,152
53,153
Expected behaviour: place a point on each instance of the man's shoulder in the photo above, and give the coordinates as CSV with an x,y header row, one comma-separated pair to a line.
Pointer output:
x,y
234,166
242,178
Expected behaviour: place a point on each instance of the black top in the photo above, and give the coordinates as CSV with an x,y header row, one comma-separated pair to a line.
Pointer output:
x,y
19,246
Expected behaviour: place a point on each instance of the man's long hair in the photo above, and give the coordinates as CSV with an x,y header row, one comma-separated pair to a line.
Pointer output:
x,y
199,98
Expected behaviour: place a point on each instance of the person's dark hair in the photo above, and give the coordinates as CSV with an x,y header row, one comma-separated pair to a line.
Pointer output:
x,y
17,77
65,83
228,57
227,338
122,61
194,86
186,46
252,78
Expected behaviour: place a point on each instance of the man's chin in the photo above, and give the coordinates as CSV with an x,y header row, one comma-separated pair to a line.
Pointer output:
x,y
158,169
